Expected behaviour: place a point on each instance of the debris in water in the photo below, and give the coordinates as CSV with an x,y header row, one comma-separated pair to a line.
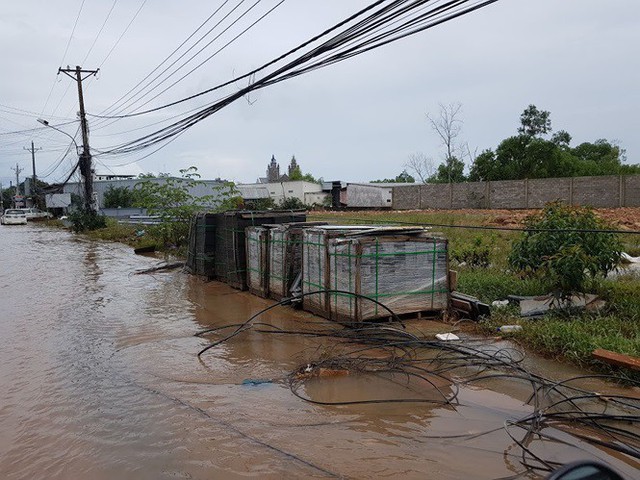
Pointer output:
x,y
447,337
510,328
166,266
256,381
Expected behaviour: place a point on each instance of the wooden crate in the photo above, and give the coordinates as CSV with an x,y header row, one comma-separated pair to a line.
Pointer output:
x,y
408,273
315,268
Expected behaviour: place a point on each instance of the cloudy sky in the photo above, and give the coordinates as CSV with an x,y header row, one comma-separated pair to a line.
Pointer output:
x,y
356,120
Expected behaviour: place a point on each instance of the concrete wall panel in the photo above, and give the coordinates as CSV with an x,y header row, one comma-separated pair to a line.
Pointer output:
x,y
545,190
600,192
406,198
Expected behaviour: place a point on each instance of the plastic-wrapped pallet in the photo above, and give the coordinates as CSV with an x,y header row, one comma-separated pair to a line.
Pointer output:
x,y
285,257
315,270
279,276
406,272
257,257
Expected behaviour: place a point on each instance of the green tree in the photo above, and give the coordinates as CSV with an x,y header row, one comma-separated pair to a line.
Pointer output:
x,y
534,122
451,171
292,203
172,201
557,249
484,167
119,197
402,177
296,174
528,155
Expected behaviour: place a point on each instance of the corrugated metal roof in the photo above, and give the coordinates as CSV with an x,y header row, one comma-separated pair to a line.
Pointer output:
x,y
251,192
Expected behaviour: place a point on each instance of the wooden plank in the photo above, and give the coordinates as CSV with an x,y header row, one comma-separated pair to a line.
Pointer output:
x,y
618,359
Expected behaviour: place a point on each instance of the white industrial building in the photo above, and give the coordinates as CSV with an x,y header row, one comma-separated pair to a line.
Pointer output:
x,y
203,188
371,195
309,193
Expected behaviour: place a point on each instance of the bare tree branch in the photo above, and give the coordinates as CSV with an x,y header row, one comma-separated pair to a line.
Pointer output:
x,y
421,166
448,127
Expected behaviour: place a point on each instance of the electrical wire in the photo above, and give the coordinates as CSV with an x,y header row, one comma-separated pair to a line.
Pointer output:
x,y
489,227
117,42
135,87
384,351
310,61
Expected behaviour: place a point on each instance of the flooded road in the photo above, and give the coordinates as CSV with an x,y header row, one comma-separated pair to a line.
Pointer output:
x,y
99,378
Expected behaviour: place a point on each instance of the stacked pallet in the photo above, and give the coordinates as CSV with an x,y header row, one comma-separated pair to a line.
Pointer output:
x,y
406,269
201,245
257,254
285,257
218,242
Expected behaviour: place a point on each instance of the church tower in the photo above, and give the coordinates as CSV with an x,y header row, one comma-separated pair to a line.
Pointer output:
x,y
293,165
273,171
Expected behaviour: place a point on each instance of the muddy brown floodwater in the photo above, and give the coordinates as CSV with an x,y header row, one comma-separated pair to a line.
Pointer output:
x,y
99,379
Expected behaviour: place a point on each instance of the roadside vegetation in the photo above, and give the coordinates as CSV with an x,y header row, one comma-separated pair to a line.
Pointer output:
x,y
482,259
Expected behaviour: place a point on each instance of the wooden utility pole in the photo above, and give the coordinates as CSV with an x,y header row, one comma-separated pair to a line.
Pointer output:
x,y
17,170
33,150
78,74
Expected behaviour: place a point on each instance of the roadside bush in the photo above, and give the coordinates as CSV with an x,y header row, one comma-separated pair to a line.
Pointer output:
x,y
475,255
83,219
122,197
565,260
493,284
172,201
292,203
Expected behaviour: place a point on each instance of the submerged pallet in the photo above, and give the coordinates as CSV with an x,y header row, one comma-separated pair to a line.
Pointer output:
x,y
274,257
402,268
257,254
285,257
230,242
217,242
200,260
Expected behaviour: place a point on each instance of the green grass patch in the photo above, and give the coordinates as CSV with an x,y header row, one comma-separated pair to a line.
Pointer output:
x,y
494,284
130,234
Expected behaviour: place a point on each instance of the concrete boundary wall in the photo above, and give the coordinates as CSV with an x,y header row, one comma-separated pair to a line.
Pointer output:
x,y
602,192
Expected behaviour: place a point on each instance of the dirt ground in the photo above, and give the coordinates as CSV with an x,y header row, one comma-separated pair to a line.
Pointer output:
x,y
623,218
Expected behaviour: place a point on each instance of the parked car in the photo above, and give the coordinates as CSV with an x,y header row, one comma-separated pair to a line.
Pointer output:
x,y
35,213
14,216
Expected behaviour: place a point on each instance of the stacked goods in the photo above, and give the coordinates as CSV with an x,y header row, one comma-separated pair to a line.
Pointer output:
x,y
257,254
404,268
230,264
405,271
285,257
201,245
315,268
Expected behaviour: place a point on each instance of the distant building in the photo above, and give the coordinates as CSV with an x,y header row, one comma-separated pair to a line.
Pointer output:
x,y
292,166
273,171
309,193
98,176
203,188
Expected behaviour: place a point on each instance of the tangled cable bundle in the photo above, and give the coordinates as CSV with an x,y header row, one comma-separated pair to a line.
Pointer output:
x,y
562,412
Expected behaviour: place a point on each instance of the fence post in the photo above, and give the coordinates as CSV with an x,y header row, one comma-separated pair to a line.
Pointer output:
x,y
526,193
571,191
488,194
621,192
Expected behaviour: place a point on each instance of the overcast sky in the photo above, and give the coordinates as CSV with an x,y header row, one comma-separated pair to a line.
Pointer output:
x,y
358,120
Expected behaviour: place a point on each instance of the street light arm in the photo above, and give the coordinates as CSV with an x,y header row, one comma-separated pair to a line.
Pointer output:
x,y
47,124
